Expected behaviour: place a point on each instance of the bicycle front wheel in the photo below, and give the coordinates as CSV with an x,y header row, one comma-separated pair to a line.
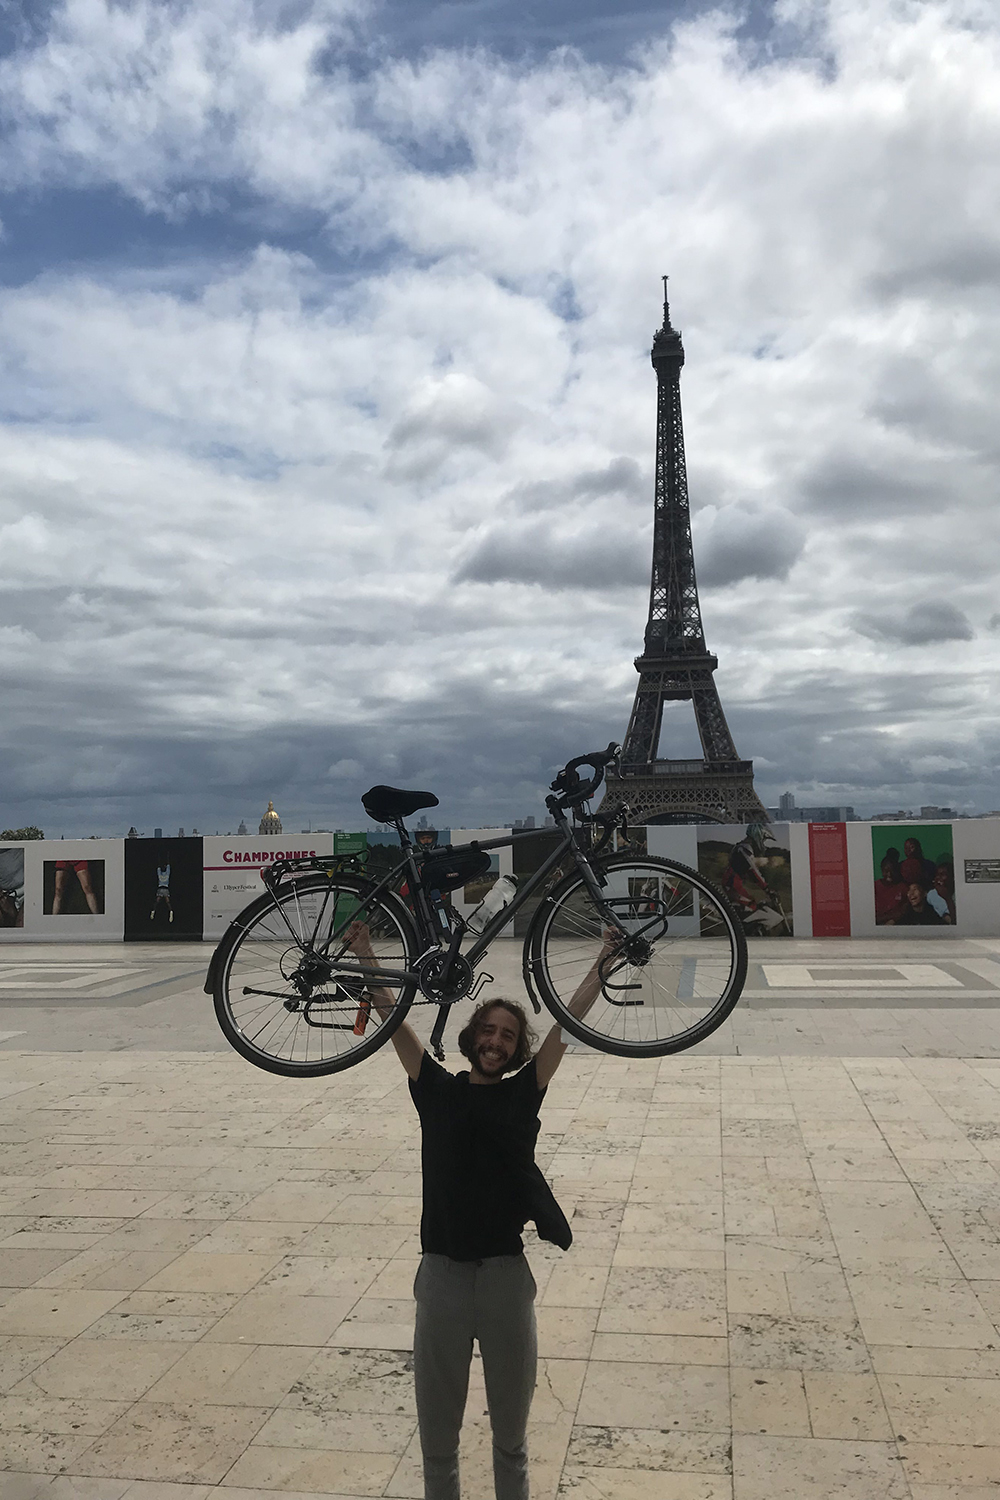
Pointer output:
x,y
683,964
277,999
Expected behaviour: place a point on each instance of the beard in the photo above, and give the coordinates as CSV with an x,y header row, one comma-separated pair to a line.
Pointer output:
x,y
490,1066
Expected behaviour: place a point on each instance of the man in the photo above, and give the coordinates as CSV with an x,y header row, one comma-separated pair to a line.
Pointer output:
x,y
480,1186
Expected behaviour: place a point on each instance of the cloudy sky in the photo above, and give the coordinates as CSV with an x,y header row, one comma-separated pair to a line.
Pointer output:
x,y
328,418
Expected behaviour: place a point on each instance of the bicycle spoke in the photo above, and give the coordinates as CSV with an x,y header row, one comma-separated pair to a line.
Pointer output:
x,y
283,1005
684,968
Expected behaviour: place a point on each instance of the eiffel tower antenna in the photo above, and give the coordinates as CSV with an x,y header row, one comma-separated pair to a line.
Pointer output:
x,y
676,665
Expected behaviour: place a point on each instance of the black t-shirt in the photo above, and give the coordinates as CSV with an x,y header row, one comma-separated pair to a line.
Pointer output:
x,y
480,1180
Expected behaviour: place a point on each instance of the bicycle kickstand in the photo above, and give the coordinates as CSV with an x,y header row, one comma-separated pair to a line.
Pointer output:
x,y
437,1046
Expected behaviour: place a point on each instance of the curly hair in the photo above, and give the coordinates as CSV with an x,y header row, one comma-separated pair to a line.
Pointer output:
x,y
469,1034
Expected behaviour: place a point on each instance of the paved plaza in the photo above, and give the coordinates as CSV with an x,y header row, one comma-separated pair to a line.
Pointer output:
x,y
784,1282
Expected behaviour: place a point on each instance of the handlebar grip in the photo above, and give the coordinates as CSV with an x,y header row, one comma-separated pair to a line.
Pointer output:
x,y
569,784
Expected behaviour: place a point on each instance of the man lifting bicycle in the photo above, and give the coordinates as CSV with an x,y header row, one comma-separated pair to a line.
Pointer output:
x,y
480,1186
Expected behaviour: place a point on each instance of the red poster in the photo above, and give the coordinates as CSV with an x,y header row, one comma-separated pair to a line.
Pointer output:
x,y
831,900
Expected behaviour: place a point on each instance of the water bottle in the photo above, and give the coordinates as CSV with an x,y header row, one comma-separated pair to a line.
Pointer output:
x,y
499,895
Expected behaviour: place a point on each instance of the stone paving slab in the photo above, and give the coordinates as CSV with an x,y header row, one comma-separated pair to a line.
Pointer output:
x,y
785,1281
852,997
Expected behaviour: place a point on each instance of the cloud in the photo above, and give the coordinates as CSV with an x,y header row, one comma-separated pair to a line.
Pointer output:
x,y
920,625
345,770
443,416
383,481
555,557
621,476
746,541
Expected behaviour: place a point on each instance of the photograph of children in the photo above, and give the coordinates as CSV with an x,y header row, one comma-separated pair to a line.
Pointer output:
x,y
914,868
164,890
752,865
73,887
11,887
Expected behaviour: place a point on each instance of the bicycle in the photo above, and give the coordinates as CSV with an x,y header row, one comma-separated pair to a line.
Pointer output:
x,y
292,998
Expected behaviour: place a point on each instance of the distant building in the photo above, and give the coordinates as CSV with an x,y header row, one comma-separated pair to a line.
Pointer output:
x,y
270,822
242,830
528,822
787,812
938,812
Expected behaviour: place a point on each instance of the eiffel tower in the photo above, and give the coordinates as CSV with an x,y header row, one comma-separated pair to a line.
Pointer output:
x,y
675,664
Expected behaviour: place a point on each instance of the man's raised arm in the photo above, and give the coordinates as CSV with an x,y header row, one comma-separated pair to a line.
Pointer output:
x,y
409,1048
552,1051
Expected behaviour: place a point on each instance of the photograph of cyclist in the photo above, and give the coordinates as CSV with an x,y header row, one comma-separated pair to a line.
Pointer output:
x,y
754,870
480,1187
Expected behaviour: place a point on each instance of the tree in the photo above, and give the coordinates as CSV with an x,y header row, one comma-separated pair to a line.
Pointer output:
x,y
21,835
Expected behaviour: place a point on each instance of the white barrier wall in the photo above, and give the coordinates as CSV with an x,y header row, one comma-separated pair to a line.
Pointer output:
x,y
822,878
232,866
975,853
72,890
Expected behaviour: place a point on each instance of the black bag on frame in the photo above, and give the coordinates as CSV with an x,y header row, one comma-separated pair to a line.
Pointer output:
x,y
447,868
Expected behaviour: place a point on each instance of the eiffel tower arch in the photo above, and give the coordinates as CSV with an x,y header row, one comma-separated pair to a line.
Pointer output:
x,y
676,665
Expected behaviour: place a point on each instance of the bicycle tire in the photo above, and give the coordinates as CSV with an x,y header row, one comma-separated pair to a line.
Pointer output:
x,y
704,953
259,943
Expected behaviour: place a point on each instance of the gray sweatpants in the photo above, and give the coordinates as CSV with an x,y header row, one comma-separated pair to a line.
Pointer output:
x,y
490,1300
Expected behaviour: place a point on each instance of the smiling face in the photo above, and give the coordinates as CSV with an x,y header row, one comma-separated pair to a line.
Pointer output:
x,y
496,1042
915,896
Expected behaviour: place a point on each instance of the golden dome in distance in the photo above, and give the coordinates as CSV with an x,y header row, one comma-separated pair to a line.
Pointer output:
x,y
270,822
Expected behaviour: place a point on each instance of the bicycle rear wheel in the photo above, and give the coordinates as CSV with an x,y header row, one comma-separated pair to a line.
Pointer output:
x,y
682,970
276,998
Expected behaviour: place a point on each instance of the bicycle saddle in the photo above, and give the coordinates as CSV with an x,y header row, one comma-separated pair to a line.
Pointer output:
x,y
387,803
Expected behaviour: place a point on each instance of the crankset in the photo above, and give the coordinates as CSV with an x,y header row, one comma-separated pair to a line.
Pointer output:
x,y
462,980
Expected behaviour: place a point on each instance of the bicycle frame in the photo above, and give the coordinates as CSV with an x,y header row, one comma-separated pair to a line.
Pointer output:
x,y
429,926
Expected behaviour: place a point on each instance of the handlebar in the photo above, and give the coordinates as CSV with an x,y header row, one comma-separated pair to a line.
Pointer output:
x,y
570,790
